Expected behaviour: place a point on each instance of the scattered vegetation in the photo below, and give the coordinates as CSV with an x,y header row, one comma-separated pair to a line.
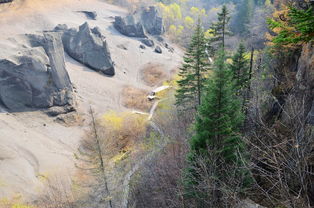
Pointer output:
x,y
154,74
136,99
292,27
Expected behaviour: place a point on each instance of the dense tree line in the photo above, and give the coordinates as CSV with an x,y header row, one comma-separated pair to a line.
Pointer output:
x,y
220,169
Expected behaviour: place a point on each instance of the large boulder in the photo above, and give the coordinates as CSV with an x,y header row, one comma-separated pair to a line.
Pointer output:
x,y
147,20
88,47
152,21
129,26
33,74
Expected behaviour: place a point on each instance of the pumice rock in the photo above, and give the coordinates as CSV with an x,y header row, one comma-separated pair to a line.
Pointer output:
x,y
88,47
33,74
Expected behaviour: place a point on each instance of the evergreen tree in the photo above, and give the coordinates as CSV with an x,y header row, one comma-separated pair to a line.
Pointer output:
x,y
193,71
218,136
297,28
242,18
219,29
240,68
219,116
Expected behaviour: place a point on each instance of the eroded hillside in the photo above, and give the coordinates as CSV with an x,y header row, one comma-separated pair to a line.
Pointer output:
x,y
36,145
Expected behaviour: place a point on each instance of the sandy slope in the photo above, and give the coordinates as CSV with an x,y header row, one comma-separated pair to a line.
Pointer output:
x,y
32,145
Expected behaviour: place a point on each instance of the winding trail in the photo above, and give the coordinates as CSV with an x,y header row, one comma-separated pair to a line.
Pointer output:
x,y
138,165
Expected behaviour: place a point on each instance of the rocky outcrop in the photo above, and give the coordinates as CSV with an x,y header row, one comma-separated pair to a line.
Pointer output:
x,y
152,21
305,79
129,26
33,74
145,21
88,47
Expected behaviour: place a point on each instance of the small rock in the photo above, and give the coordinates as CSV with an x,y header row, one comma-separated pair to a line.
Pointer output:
x,y
170,49
158,49
90,14
61,27
147,42
121,46
142,46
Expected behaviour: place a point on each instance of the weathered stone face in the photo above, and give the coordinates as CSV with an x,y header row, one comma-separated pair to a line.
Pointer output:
x,y
88,47
152,21
34,76
147,20
129,26
305,78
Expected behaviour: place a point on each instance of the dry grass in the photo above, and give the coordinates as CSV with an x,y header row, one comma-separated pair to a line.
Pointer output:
x,y
135,98
153,74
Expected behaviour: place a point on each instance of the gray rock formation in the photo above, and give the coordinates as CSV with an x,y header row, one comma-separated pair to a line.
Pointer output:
x,y
170,49
310,116
88,47
158,49
33,74
90,14
129,26
305,79
61,28
147,42
152,21
147,20
5,1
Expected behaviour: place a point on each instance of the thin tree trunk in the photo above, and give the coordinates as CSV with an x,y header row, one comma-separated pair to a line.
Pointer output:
x,y
251,68
223,33
248,90
100,155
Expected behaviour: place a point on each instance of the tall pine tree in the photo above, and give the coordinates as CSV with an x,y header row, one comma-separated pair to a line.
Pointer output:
x,y
219,29
219,116
217,137
240,68
193,71
242,18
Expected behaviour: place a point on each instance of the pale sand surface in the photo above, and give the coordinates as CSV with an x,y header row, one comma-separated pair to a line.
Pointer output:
x,y
32,145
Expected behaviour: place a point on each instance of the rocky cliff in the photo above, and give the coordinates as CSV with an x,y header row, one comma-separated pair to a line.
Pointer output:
x,y
146,21
281,126
33,74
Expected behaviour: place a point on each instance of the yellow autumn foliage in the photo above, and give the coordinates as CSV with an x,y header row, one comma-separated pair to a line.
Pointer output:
x,y
189,22
209,33
21,206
